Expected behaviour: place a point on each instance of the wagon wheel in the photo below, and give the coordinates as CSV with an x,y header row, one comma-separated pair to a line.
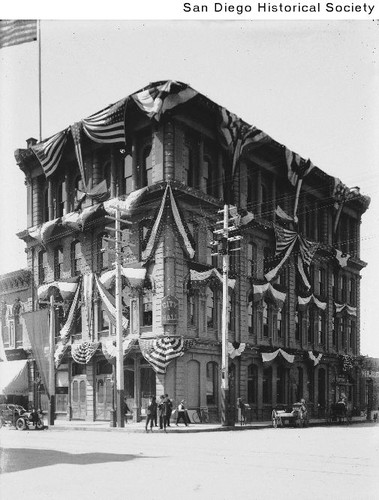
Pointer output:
x,y
20,424
274,419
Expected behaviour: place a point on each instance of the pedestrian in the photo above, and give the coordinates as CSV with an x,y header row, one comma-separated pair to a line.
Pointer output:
x,y
162,412
126,410
182,413
169,409
151,412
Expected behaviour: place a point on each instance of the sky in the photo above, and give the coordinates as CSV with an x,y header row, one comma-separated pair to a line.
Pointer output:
x,y
311,85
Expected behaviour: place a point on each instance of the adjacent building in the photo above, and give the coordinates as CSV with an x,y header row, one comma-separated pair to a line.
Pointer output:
x,y
170,158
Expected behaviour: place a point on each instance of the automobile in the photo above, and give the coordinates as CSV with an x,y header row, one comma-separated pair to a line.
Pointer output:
x,y
16,416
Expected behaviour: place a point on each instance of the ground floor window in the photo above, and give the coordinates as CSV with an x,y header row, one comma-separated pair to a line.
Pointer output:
x,y
252,384
267,385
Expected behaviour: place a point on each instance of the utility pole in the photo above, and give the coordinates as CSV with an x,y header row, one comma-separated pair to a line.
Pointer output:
x,y
51,361
117,240
226,418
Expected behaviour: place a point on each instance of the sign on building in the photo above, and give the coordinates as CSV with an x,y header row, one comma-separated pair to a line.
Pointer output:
x,y
170,310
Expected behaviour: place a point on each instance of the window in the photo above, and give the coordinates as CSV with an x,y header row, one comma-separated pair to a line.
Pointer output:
x,y
267,385
103,252
128,174
321,282
252,384
212,260
79,188
250,193
60,199
268,255
78,321
280,384
299,386
335,281
189,167
212,377
103,321
298,320
312,315
147,308
210,177
265,211
58,263
265,319
251,259
336,325
146,166
344,332
231,312
211,312
344,289
352,292
45,211
191,307
75,258
352,334
321,327
279,324
250,315
42,266
320,225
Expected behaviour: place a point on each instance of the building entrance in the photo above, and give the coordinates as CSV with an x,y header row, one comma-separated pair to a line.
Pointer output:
x,y
79,399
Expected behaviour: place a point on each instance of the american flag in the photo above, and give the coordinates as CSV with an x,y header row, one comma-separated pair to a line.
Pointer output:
x,y
49,152
107,125
15,32
82,353
76,132
161,96
163,351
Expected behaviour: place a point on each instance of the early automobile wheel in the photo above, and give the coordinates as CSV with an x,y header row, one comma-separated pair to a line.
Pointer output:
x,y
20,424
40,425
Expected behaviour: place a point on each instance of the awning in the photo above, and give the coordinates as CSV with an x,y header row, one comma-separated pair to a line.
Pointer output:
x,y
14,378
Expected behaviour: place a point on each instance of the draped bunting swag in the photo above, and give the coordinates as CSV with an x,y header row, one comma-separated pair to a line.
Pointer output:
x,y
88,303
235,349
203,277
83,352
67,289
352,311
109,304
267,290
270,356
305,301
67,327
316,359
342,258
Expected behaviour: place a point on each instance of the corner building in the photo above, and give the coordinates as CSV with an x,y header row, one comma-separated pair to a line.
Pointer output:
x,y
168,156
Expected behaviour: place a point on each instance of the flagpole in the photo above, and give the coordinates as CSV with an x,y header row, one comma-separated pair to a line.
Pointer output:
x,y
39,81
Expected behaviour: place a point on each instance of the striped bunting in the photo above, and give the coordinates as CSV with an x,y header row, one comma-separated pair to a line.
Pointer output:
x,y
82,353
107,125
352,311
49,152
162,351
76,132
67,289
235,349
267,290
16,32
60,350
305,301
67,327
109,304
297,167
162,96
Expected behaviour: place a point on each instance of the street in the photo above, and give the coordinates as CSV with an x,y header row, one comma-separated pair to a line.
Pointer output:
x,y
337,462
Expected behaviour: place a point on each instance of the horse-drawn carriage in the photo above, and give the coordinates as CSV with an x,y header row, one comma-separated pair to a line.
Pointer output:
x,y
297,416
339,413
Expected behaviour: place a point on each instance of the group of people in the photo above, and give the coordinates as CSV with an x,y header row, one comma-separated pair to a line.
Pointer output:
x,y
161,411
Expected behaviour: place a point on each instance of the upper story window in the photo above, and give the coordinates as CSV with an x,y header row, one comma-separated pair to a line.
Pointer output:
x,y
251,259
42,266
321,327
266,212
211,309
147,308
146,166
352,337
321,282
128,174
103,254
352,292
189,168
231,312
279,324
250,315
190,307
344,288
298,323
312,317
58,263
265,319
210,176
60,198
250,193
45,208
212,378
212,260
75,258
335,282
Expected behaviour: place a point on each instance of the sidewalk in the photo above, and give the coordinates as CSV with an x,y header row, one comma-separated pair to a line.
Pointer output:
x,y
65,425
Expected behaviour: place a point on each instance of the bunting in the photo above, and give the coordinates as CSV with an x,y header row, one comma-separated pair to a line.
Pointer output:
x,y
162,96
67,327
267,290
235,349
316,359
76,132
152,237
88,302
49,152
203,277
180,226
342,258
160,352
16,32
66,289
342,194
109,304
135,277
60,351
305,301
297,169
351,311
270,356
83,352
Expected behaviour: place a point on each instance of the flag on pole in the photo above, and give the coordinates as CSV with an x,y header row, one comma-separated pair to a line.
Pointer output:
x,y
15,32
107,125
49,152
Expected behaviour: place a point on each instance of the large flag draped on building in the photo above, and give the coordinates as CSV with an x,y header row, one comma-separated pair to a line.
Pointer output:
x,y
286,242
15,32
162,96
49,152
37,327
107,125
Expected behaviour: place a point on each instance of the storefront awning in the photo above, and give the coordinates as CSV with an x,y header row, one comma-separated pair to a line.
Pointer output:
x,y
14,378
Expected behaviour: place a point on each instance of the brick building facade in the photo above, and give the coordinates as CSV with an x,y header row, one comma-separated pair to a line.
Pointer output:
x,y
293,323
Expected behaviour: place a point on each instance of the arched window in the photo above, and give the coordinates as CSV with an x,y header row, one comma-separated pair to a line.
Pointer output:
x,y
212,379
146,166
250,193
335,281
211,310
267,385
231,312
103,321
42,266
78,321
75,258
252,384
58,263
265,212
